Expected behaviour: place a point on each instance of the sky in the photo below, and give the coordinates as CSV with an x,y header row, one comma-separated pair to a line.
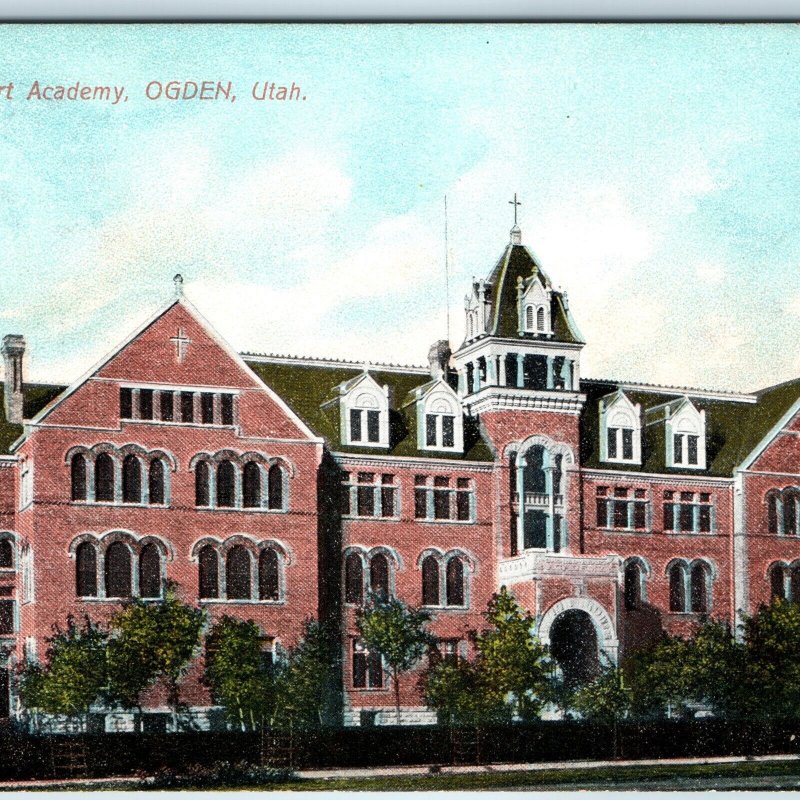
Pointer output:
x,y
657,166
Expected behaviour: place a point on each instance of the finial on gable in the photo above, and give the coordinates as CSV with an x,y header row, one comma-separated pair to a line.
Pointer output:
x,y
178,281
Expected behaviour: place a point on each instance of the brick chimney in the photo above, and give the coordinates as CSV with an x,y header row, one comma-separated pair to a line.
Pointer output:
x,y
13,350
439,359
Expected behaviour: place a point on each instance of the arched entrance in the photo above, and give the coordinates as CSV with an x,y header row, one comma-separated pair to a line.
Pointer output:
x,y
574,646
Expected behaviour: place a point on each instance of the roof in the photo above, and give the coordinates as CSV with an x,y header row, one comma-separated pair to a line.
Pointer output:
x,y
306,388
35,397
733,427
518,262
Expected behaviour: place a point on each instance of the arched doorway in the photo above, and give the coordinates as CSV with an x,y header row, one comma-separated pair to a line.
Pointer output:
x,y
574,646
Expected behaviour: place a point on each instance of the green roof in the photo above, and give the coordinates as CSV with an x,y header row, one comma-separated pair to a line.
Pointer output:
x,y
306,388
518,262
733,427
35,397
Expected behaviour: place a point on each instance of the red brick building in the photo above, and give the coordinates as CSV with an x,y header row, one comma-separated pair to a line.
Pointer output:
x,y
278,489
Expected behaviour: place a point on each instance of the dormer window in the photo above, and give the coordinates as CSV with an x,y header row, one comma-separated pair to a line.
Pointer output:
x,y
440,424
534,306
363,412
686,441
620,430
365,421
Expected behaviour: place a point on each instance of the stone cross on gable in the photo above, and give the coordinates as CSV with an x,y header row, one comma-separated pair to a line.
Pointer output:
x,y
516,203
182,342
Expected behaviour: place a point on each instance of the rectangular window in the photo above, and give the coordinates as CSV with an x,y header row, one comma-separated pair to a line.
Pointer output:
x,y
677,448
620,515
373,426
126,403
687,517
639,515
344,496
365,494
187,406
705,519
430,430
355,425
367,668
226,407
207,408
387,496
441,497
6,617
448,650
448,432
145,404
692,449
602,512
420,497
612,442
627,444
167,406
462,499
669,517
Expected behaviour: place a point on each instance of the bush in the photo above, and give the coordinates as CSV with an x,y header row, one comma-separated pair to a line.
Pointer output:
x,y
218,774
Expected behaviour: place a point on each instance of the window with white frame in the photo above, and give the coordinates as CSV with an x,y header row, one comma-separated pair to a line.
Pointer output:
x,y
367,574
364,412
444,580
8,611
622,508
176,405
784,580
620,430
27,574
440,424
534,307
26,484
690,587
367,667
783,511
686,436
370,494
689,512
444,498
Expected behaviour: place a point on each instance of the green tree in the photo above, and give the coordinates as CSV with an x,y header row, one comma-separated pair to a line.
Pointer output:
x,y
74,674
240,675
604,699
398,632
150,642
512,660
308,684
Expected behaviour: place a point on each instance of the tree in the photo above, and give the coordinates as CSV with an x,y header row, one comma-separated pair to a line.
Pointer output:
x,y
396,631
239,674
512,660
150,642
74,674
604,699
307,684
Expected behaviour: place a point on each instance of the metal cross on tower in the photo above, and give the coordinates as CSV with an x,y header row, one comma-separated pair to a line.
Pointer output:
x,y
515,203
182,342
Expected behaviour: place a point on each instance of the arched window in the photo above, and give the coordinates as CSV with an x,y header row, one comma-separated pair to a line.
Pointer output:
x,y
237,573
777,581
633,585
353,579
6,554
104,477
794,584
268,575
699,588
430,581
150,572
131,480
529,318
155,482
790,502
86,570
118,570
379,575
251,485
208,573
772,513
275,487
677,588
78,470
226,484
455,582
540,318
202,496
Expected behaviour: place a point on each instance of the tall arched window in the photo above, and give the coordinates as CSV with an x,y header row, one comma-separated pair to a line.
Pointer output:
x,y
6,554
155,482
118,570
226,485
540,318
677,588
202,496
790,503
699,588
275,487
633,585
86,570
379,575
78,474
268,575
237,573
772,513
430,581
353,579
529,318
131,480
455,582
208,573
777,581
251,485
794,584
104,477
150,572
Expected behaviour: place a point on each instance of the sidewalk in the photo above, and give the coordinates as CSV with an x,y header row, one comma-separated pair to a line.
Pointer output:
x,y
423,770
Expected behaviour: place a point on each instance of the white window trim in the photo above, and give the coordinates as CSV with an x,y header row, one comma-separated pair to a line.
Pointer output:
x,y
350,402
426,405
685,416
613,411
